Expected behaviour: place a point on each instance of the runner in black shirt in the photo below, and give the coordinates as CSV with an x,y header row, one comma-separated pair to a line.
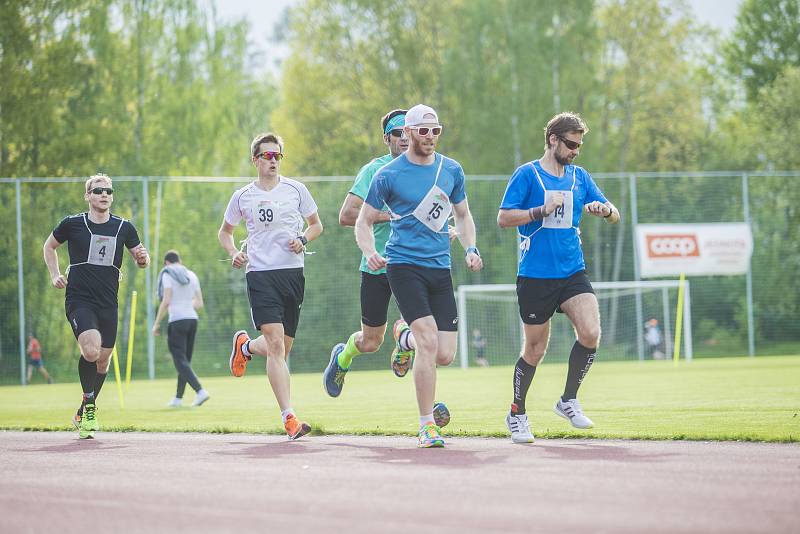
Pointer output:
x,y
92,282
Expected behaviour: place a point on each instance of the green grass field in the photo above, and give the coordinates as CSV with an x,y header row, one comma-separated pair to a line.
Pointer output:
x,y
752,399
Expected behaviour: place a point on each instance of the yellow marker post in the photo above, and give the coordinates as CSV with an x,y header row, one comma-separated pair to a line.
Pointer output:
x,y
115,357
676,350
131,332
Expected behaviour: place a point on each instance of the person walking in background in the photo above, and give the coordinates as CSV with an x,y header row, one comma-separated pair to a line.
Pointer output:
x,y
544,200
421,188
274,209
181,297
95,240
34,350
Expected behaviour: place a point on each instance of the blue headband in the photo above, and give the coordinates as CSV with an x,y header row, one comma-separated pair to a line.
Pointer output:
x,y
398,121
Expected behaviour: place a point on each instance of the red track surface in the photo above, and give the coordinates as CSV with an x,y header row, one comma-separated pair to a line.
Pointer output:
x,y
149,482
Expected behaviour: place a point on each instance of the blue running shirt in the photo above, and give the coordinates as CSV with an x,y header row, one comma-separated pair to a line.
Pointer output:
x,y
402,186
550,252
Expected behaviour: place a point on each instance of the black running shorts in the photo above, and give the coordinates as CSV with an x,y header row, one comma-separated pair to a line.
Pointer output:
x,y
540,298
276,297
82,317
375,295
422,291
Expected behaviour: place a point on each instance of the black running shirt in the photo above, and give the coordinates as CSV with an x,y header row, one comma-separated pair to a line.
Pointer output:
x,y
95,285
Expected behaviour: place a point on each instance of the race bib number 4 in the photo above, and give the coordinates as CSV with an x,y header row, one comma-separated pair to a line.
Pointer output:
x,y
561,217
102,249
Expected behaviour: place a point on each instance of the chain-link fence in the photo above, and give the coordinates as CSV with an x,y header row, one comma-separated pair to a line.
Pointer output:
x,y
730,315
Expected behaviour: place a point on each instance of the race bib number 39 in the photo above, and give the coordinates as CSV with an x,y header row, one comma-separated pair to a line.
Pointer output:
x,y
267,214
561,217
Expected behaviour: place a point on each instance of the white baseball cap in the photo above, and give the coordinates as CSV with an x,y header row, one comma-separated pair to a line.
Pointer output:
x,y
421,114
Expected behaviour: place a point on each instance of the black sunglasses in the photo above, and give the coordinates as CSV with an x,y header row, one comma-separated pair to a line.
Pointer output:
x,y
397,132
572,145
101,190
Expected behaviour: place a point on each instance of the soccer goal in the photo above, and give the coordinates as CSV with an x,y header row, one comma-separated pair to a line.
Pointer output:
x,y
637,319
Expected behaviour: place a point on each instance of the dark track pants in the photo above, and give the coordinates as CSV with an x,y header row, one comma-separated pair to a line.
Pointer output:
x,y
180,339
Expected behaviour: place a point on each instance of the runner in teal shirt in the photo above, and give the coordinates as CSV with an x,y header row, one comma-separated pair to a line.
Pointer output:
x,y
375,291
360,189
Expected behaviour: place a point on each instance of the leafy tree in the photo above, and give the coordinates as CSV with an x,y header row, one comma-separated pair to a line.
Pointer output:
x,y
764,42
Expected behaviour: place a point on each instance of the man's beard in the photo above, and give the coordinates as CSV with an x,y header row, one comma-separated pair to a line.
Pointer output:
x,y
419,151
563,160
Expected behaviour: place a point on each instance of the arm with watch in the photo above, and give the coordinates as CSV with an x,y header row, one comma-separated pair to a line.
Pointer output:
x,y
313,231
465,228
606,210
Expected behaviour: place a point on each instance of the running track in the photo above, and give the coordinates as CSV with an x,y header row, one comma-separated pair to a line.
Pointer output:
x,y
151,482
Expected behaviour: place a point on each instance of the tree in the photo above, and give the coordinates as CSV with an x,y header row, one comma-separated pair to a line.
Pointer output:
x,y
766,40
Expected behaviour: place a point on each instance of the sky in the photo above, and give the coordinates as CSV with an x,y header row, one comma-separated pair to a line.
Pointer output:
x,y
719,14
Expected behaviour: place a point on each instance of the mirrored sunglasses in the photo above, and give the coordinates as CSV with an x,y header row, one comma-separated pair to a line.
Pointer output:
x,y
277,156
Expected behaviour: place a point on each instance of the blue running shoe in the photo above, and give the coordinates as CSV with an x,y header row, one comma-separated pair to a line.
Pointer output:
x,y
441,415
333,377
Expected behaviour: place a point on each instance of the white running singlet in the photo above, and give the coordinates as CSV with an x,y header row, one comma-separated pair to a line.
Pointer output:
x,y
272,219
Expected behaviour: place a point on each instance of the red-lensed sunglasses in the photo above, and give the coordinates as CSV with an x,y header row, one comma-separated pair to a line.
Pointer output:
x,y
277,156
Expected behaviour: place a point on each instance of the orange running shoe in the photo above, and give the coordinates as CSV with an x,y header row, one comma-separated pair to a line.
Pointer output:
x,y
239,361
295,428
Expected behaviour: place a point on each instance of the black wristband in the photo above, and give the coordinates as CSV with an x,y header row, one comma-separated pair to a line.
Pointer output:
x,y
610,213
303,239
537,213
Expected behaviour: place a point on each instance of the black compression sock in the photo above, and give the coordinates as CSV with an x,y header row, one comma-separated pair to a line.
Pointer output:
x,y
98,385
87,371
523,375
580,360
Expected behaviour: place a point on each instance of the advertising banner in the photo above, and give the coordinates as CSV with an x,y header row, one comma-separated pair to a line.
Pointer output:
x,y
699,249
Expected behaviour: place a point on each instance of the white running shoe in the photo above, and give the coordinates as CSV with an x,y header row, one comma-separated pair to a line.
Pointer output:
x,y
518,426
571,411
201,397
175,403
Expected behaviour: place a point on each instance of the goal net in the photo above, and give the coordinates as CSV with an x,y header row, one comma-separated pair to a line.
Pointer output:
x,y
637,320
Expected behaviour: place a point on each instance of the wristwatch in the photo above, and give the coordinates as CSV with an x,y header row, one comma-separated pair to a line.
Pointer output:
x,y
472,249
303,239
